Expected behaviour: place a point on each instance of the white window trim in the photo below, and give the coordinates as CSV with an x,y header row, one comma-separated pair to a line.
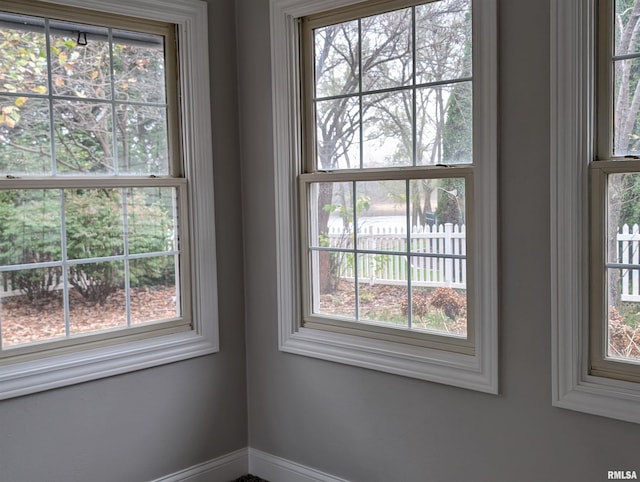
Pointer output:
x,y
572,145
475,372
57,371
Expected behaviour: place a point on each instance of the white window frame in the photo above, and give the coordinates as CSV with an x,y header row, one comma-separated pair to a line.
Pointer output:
x,y
75,366
477,371
573,106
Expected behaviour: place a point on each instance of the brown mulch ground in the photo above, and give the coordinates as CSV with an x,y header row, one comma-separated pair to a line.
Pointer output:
x,y
373,299
380,302
388,303
624,341
24,322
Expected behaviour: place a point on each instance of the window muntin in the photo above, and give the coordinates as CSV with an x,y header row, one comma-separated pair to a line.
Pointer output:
x,y
389,104
615,193
94,205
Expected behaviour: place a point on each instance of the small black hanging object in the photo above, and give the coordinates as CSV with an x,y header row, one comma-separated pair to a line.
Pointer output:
x,y
82,38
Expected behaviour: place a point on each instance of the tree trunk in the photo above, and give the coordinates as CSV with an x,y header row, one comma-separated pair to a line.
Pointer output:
x,y
325,195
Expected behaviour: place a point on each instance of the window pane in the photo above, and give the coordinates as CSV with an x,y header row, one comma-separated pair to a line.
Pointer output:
x,y
142,140
30,226
388,129
383,289
444,256
336,59
626,137
443,40
444,119
440,310
31,307
80,70
84,137
626,25
331,214
153,289
437,202
338,133
97,298
151,220
623,247
94,223
333,283
25,138
387,59
23,54
138,67
381,212
623,218
423,201
624,314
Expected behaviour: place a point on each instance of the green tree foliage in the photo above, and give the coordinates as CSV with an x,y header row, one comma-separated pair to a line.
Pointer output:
x,y
91,134
150,230
451,201
31,232
93,219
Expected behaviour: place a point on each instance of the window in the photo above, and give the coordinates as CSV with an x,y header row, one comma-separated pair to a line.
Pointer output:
x,y
594,191
395,179
97,193
388,159
615,193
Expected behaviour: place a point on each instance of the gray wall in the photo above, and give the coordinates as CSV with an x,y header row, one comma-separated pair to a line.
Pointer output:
x,y
368,426
144,425
355,423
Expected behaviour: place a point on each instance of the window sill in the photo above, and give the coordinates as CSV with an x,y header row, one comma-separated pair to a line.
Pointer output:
x,y
599,396
54,372
464,371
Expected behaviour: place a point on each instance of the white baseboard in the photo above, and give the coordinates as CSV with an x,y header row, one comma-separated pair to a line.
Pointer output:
x,y
249,461
221,469
276,469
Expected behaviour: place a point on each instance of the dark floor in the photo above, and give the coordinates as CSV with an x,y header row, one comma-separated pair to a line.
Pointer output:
x,y
250,478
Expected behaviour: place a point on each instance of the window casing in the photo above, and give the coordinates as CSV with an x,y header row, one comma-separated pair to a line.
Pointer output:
x,y
161,191
308,323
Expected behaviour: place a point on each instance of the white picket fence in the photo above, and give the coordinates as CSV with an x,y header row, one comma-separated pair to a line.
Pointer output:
x,y
628,246
438,255
439,259
439,270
